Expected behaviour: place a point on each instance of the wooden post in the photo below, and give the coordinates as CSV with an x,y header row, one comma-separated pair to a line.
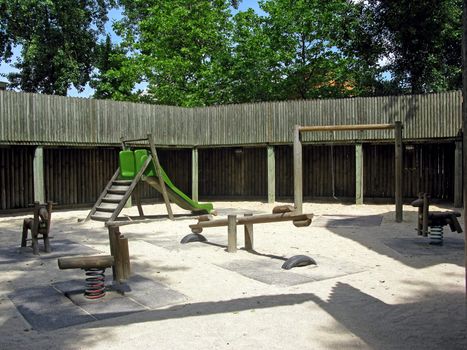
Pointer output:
x,y
119,251
194,175
458,174
398,170
125,257
232,233
464,123
137,194
129,203
297,170
358,173
35,229
38,175
426,210
113,249
249,235
271,159
157,167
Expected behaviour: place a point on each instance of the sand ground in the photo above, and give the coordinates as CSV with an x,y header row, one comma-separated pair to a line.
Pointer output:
x,y
375,287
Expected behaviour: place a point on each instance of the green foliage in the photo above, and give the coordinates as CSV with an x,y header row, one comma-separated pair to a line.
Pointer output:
x,y
255,72
196,53
181,49
115,78
422,42
57,38
298,50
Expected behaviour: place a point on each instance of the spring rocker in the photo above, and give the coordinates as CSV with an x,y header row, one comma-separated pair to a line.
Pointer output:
x,y
95,266
38,225
431,223
279,213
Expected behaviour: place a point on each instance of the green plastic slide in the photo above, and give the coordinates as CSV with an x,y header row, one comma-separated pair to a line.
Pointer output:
x,y
175,194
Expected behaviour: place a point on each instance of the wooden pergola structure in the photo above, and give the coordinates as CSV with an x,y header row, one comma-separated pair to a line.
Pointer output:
x,y
298,159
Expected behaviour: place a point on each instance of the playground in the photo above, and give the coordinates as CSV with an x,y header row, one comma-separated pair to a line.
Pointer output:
x,y
141,236
376,285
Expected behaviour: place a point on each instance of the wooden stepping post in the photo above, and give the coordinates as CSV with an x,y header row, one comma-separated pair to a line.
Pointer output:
x,y
232,233
249,235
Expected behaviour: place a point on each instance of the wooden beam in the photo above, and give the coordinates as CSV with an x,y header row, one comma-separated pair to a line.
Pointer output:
x,y
458,174
38,175
86,262
194,175
271,160
254,219
297,170
398,170
346,127
358,173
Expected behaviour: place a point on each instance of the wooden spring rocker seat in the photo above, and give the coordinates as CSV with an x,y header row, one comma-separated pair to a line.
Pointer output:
x,y
94,266
38,225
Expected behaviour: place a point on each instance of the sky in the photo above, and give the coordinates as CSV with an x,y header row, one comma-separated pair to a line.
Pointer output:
x,y
114,15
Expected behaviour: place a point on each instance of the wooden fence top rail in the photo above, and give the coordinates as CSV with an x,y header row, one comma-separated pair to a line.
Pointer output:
x,y
346,127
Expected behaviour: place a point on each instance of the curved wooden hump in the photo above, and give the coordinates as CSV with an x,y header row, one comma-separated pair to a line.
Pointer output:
x,y
417,203
283,209
86,262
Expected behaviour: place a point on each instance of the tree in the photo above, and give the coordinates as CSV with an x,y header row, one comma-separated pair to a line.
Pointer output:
x,y
114,79
299,49
58,42
422,42
255,72
181,49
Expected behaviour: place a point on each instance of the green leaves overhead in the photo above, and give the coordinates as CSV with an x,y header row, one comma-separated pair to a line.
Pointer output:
x,y
57,40
422,42
205,52
181,49
197,53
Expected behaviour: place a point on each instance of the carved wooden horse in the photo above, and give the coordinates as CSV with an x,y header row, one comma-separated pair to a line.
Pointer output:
x,y
39,225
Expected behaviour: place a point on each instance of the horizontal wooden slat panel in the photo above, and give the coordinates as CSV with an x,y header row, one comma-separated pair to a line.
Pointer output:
x,y
55,120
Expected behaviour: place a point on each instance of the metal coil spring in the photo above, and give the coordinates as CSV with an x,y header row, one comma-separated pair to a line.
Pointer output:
x,y
436,235
95,283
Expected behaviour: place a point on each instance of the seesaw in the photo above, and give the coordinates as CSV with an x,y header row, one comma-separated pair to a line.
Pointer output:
x,y
279,214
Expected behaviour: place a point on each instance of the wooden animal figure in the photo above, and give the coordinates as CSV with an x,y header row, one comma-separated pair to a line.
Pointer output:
x,y
39,225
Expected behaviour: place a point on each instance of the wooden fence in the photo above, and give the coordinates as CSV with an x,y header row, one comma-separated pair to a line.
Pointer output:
x,y
77,176
53,120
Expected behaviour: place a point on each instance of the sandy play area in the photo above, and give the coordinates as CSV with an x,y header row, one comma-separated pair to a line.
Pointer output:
x,y
376,285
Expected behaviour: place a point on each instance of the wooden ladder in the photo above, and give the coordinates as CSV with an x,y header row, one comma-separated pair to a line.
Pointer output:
x,y
115,195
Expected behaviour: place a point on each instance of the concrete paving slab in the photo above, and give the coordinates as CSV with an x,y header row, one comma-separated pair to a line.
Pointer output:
x,y
152,294
420,246
60,247
140,293
269,271
113,304
46,309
